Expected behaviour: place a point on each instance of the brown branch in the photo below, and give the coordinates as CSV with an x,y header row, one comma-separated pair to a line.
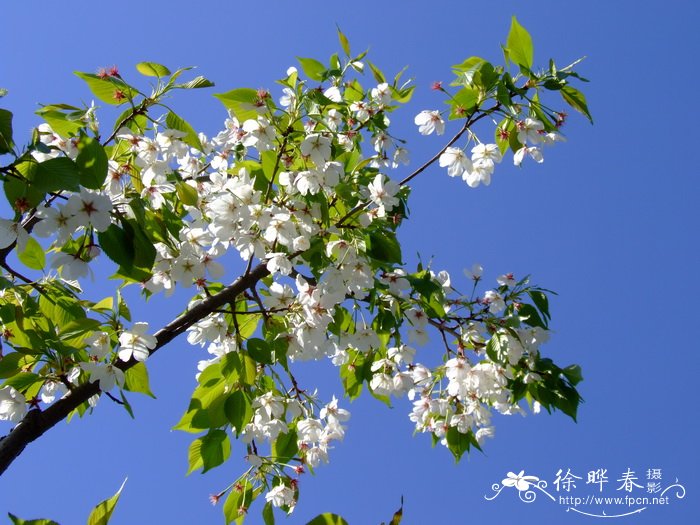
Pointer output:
x,y
37,422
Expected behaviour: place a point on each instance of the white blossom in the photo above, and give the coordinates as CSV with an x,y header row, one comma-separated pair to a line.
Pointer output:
x,y
430,121
13,405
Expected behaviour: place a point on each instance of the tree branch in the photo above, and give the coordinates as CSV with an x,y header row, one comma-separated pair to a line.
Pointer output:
x,y
37,422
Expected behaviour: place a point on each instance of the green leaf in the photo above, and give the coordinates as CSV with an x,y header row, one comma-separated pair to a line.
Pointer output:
x,y
530,316
402,95
464,101
105,304
470,64
519,45
117,245
260,350
60,306
102,513
573,374
5,131
179,124
396,518
503,96
17,189
92,163
576,100
268,159
75,332
209,451
131,119
505,129
236,500
33,255
376,73
127,405
353,375
151,69
353,91
458,443
109,90
241,101
23,381
238,410
18,521
285,447
268,514
486,76
123,307
210,391
328,518
61,123
344,43
138,255
384,247
313,68
541,302
10,364
494,349
187,194
248,324
240,366
194,456
56,174
195,83
136,380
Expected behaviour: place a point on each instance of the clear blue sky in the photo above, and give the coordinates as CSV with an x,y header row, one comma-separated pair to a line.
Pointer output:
x,y
609,221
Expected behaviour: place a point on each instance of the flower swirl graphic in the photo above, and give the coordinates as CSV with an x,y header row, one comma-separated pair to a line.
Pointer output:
x,y
524,484
519,481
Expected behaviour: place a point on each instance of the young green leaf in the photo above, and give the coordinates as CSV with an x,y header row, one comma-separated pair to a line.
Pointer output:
x,y
92,163
376,73
6,143
175,122
260,350
576,100
117,245
102,513
151,69
187,194
285,447
107,89
398,515
195,83
238,410
136,380
312,67
343,41
216,448
328,518
33,255
60,123
236,501
519,45
19,521
56,174
241,101
268,514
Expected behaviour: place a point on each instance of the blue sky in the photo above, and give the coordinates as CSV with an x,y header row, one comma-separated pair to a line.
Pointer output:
x,y
609,222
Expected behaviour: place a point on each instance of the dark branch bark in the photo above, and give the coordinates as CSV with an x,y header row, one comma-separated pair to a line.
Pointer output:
x,y
37,422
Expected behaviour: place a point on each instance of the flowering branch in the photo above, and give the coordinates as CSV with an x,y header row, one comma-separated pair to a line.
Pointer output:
x,y
37,422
